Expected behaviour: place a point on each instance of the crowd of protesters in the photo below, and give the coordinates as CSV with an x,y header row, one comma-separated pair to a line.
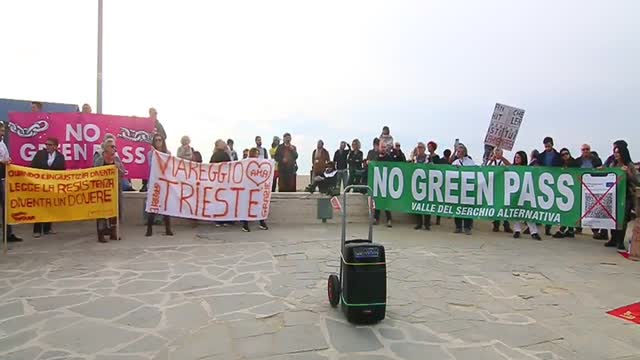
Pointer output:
x,y
348,166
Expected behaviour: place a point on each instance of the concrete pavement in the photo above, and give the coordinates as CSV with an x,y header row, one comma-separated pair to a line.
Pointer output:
x,y
218,293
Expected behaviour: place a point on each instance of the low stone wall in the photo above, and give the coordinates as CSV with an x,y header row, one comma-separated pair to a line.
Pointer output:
x,y
296,208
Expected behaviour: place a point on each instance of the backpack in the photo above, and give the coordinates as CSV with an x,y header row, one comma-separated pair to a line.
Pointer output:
x,y
197,157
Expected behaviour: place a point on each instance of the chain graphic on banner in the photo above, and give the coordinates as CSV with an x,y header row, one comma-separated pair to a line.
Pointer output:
x,y
32,131
135,135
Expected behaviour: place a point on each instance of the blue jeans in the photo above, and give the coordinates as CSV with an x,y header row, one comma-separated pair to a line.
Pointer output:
x,y
342,178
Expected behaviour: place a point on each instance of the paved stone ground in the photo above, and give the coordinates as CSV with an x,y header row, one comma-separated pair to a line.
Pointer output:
x,y
212,293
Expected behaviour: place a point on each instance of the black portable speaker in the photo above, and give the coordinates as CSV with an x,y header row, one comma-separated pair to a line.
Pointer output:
x,y
364,282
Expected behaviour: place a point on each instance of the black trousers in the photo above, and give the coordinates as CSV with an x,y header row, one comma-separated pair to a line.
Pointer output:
x,y
463,223
423,220
376,214
618,235
41,228
497,223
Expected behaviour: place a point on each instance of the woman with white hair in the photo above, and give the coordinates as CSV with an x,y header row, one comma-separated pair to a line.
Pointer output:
x,y
109,157
185,151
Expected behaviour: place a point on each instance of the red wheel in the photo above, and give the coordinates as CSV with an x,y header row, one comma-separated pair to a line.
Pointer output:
x,y
333,290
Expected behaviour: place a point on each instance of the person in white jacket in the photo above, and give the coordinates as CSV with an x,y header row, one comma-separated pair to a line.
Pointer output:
x,y
463,159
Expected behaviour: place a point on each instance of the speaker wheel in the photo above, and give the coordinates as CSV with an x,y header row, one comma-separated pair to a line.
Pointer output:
x,y
333,290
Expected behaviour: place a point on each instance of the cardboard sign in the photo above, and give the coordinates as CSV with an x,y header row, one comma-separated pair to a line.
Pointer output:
x,y
80,136
228,191
36,195
504,127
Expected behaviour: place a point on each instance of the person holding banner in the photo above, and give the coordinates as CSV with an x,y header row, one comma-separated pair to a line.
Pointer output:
x,y
109,157
384,155
463,159
5,160
421,157
520,159
497,159
160,145
567,162
433,158
47,159
622,159
159,130
255,154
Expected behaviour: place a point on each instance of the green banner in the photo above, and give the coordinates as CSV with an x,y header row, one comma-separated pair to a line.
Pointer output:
x,y
543,195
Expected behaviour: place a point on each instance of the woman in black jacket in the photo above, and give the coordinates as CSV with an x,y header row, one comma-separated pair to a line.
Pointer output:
x,y
567,162
355,163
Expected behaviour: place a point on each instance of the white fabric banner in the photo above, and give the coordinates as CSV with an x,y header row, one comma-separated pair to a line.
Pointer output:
x,y
229,191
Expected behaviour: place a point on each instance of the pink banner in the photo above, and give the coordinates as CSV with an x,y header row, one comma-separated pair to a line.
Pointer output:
x,y
80,136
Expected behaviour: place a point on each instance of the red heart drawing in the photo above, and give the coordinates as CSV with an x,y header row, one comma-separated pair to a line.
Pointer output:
x,y
259,173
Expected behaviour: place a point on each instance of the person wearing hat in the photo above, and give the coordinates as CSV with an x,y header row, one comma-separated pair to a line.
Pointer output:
x,y
272,152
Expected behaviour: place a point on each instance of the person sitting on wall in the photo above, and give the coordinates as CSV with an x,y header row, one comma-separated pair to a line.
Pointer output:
x,y
326,182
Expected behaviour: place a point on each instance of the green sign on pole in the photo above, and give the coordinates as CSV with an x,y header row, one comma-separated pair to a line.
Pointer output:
x,y
543,195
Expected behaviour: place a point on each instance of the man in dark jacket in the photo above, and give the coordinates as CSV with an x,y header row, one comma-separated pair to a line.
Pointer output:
x,y
550,156
588,159
48,159
340,160
397,153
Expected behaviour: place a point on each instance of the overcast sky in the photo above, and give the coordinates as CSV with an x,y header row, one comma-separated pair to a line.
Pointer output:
x,y
337,70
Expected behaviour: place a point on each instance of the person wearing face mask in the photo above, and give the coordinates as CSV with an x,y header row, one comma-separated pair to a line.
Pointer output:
x,y
463,159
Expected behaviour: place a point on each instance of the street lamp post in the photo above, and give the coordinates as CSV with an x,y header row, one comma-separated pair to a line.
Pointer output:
x,y
99,77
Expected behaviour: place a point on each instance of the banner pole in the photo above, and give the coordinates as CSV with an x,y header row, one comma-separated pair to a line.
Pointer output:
x,y
117,204
5,226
